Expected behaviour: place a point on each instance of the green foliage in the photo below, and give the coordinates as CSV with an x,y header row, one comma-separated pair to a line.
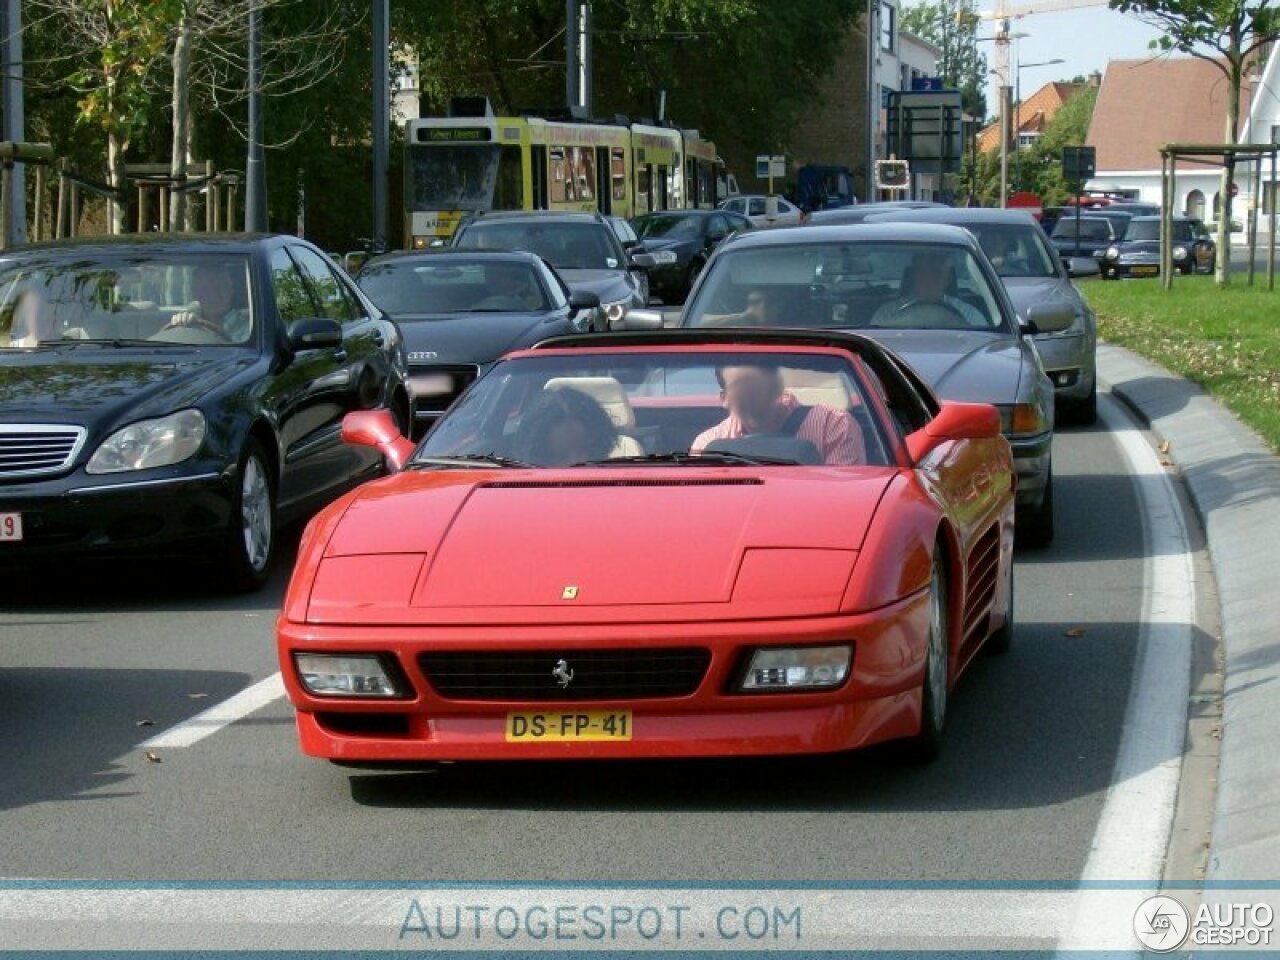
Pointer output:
x,y
952,27
1041,165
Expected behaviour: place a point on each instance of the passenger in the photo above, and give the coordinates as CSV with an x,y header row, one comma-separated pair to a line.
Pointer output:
x,y
759,403
1004,252
511,288
565,427
33,319
213,288
760,311
927,282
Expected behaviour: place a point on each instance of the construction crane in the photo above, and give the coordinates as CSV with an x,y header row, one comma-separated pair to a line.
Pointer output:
x,y
1003,13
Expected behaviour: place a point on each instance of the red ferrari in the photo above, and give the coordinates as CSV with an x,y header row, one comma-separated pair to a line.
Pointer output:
x,y
667,544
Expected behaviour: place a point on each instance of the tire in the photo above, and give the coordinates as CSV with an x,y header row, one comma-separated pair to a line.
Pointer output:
x,y
251,533
998,643
926,745
1082,413
1035,526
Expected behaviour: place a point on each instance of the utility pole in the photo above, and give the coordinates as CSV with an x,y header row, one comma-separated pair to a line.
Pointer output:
x,y
1002,71
873,99
14,116
255,173
584,57
571,53
381,119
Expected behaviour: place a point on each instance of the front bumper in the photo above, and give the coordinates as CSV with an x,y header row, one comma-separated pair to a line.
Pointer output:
x,y
1069,361
880,700
166,510
1032,460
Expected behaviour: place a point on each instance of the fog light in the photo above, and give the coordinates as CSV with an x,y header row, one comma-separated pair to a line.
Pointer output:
x,y
344,676
797,668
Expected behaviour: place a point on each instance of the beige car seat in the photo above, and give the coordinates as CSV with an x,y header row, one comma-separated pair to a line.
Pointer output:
x,y
612,397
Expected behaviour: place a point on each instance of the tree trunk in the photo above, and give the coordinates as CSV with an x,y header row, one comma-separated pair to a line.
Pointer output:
x,y
179,207
1222,262
118,205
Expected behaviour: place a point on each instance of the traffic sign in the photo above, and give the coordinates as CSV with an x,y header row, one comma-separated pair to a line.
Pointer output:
x,y
1079,164
893,174
770,166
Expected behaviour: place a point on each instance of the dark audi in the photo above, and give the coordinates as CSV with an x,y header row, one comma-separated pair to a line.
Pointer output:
x,y
170,395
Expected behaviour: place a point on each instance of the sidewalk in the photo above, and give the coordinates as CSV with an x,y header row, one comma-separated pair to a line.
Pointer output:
x,y
1234,483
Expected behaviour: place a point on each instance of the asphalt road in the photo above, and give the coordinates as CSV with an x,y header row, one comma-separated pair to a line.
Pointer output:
x,y
87,653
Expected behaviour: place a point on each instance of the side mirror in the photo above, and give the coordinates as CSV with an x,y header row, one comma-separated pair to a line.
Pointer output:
x,y
583,300
639,320
643,261
955,421
314,333
1082,267
1050,317
377,429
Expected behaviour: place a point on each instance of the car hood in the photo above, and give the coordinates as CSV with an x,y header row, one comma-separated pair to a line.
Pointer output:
x,y
104,386
609,285
618,544
467,338
668,243
962,365
1028,291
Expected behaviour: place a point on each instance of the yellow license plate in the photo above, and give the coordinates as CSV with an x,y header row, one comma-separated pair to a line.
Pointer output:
x,y
1144,271
568,725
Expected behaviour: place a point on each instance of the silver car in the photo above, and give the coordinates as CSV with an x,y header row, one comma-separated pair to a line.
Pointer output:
x,y
925,291
1034,273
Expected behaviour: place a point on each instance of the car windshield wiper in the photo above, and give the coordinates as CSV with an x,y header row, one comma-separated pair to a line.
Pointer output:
x,y
103,342
471,460
720,457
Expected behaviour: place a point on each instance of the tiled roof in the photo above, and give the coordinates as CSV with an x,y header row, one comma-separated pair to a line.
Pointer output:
x,y
1032,115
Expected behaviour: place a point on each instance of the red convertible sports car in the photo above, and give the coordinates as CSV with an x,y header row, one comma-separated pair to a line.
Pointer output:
x,y
677,543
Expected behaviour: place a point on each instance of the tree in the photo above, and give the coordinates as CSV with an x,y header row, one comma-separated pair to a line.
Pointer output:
x,y
111,49
1042,163
208,54
952,27
1228,34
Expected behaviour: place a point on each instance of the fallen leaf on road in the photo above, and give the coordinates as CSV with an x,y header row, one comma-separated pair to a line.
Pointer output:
x,y
1076,632
1166,462
153,757
145,723
1164,447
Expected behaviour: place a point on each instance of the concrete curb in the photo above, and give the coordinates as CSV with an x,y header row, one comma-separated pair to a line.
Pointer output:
x,y
1234,483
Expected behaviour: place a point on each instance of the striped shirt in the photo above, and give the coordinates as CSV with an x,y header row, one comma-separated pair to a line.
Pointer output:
x,y
834,433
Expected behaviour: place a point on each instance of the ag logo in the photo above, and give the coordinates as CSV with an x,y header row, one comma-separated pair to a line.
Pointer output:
x,y
1161,924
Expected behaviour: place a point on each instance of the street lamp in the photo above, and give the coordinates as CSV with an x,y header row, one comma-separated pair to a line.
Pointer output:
x,y
1002,40
1017,143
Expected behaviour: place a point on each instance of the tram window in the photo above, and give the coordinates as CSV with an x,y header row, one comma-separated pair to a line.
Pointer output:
x,y
619,175
510,191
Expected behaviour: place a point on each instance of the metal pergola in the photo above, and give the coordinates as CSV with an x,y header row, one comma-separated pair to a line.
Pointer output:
x,y
1217,155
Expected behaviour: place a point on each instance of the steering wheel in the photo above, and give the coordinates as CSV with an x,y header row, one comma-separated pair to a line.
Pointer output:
x,y
931,313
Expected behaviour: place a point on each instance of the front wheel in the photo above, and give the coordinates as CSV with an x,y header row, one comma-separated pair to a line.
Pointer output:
x,y
935,685
251,532
1035,526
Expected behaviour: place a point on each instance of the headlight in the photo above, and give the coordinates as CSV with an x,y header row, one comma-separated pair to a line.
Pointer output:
x,y
613,312
344,676
1113,253
1179,253
797,668
150,443
665,257
1022,419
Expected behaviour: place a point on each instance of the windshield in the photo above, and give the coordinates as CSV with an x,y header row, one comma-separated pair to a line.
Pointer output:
x,y
451,177
668,225
192,299
453,285
733,408
1090,229
1143,230
1015,251
564,245
848,286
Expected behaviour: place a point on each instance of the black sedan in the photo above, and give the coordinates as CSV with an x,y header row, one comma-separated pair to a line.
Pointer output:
x,y
170,395
461,311
681,241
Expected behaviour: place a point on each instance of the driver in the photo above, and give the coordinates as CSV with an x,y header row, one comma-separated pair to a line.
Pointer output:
x,y
510,288
215,313
761,310
927,283
759,403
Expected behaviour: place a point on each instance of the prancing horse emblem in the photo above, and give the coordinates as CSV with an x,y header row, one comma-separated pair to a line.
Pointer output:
x,y
562,673
569,593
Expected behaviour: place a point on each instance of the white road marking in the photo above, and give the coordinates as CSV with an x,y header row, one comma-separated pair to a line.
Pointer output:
x,y
210,721
1132,836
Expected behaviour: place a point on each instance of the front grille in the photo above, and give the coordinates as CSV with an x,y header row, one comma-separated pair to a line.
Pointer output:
x,y
29,450
635,674
436,387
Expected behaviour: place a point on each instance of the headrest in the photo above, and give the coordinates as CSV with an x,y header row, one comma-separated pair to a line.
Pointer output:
x,y
606,391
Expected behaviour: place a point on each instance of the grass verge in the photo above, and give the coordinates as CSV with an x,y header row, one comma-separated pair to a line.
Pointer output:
x,y
1226,340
